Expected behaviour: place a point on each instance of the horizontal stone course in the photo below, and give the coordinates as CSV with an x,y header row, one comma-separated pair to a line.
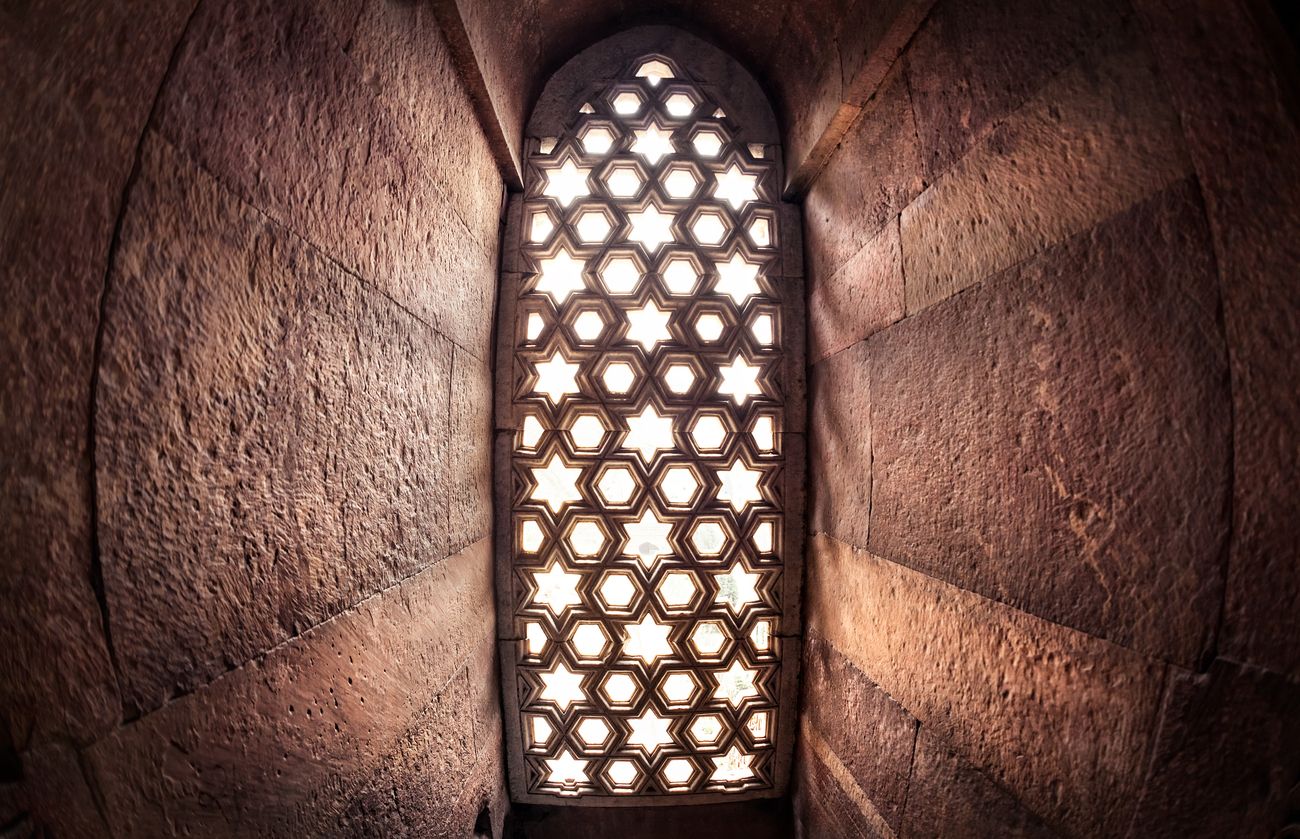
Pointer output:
x,y
1058,438
279,746
271,435
860,299
1062,720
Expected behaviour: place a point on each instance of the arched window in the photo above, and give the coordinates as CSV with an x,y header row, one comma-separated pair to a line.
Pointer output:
x,y
650,351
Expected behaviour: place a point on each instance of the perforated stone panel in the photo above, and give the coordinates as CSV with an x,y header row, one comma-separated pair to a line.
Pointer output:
x,y
644,527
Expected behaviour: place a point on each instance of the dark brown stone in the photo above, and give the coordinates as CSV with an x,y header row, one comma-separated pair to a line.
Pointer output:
x,y
869,733
974,62
761,819
78,82
1061,719
948,797
1227,756
875,174
271,435
1227,68
1058,438
826,810
840,460
1098,138
863,297
334,167
280,746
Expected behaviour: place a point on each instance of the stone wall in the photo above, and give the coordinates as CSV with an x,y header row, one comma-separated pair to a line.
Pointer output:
x,y
1053,321
251,266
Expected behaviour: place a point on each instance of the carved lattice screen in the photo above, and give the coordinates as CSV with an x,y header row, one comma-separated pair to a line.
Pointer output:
x,y
645,548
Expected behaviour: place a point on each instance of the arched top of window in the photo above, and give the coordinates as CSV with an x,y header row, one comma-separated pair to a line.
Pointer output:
x,y
649,468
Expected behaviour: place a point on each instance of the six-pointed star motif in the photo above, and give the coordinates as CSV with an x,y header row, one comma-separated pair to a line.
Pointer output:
x,y
737,588
739,380
653,142
733,766
562,686
560,276
566,770
557,589
737,279
647,640
650,732
648,432
556,377
647,539
651,227
648,326
556,484
566,183
735,684
735,187
739,485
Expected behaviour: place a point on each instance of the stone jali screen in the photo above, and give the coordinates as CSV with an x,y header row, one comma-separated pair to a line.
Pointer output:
x,y
644,483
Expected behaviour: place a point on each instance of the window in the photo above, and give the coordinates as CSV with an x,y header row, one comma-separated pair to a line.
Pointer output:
x,y
646,572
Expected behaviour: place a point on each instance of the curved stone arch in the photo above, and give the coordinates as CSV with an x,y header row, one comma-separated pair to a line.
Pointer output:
x,y
750,277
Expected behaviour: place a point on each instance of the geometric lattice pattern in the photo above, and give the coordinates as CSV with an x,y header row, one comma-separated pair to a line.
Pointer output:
x,y
647,521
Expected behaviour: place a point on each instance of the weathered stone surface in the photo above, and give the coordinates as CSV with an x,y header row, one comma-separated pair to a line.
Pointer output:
x,y
1058,439
974,62
875,174
840,459
407,67
278,746
827,804
78,79
469,432
332,166
869,733
55,794
863,297
1099,137
1224,64
1062,719
948,797
271,435
1227,757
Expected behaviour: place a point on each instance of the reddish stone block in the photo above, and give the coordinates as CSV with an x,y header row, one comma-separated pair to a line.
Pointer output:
x,y
1061,719
280,746
948,797
870,733
334,167
1227,760
1058,438
875,173
840,458
271,435
824,809
1236,97
861,298
469,433
1100,137
974,62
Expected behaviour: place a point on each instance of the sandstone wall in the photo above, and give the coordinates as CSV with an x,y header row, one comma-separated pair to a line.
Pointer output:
x,y
1053,320
250,273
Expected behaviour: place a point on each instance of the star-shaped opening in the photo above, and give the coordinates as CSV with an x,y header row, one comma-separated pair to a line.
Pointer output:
x,y
556,485
648,326
734,766
556,377
566,771
563,687
739,380
739,485
647,539
649,732
560,276
566,182
649,432
738,588
736,187
735,684
651,227
557,589
737,279
653,142
647,640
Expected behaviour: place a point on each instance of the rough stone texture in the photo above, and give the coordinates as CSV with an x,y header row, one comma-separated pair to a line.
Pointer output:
x,y
77,81
974,62
1097,138
840,446
861,298
1238,104
827,809
374,697
1058,438
334,166
949,797
272,435
1060,718
1227,757
469,424
870,734
873,176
